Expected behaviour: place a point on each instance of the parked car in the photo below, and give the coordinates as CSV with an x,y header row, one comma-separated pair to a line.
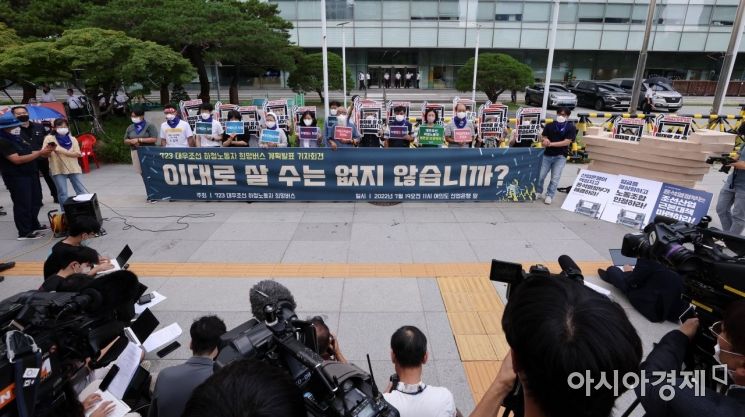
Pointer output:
x,y
665,96
558,96
601,95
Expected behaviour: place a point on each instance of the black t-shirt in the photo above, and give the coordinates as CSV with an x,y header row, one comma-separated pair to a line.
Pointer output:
x,y
51,283
9,147
370,140
53,264
556,132
244,137
34,133
400,143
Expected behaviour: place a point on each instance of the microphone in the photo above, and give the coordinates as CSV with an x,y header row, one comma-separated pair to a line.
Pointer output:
x,y
269,293
570,268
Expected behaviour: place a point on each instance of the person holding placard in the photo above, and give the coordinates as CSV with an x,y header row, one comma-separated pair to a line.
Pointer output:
x,y
330,121
400,133
174,132
430,134
556,138
272,136
459,133
308,133
731,203
235,133
209,130
345,134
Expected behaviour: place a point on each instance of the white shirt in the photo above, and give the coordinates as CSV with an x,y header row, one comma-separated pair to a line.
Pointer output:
x,y
176,137
362,77
74,102
432,402
367,75
205,141
48,97
649,93
398,75
386,76
408,75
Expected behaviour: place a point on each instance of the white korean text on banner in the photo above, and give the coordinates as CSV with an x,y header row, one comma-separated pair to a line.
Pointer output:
x,y
252,174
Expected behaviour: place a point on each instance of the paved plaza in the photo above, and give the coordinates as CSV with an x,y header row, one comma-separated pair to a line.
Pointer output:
x,y
367,269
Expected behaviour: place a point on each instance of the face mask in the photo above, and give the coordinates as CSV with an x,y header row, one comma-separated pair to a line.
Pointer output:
x,y
136,120
717,352
84,269
63,130
170,116
461,115
399,117
23,118
270,124
561,119
431,119
307,122
206,116
333,112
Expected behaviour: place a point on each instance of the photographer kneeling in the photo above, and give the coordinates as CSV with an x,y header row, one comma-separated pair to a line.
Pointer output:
x,y
558,329
667,357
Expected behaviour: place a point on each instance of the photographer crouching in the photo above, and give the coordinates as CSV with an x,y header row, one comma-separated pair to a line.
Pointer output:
x,y
557,328
668,356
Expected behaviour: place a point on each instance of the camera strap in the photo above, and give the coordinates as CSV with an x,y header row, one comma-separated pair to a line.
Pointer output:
x,y
410,389
26,359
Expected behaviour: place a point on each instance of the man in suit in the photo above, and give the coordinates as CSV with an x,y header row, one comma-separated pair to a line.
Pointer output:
x,y
175,384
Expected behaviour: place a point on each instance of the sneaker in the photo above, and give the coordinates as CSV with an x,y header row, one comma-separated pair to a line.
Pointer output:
x,y
32,235
548,199
42,228
538,196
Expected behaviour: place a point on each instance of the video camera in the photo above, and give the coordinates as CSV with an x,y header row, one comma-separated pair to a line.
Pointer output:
x,y
45,336
513,275
277,336
712,263
726,159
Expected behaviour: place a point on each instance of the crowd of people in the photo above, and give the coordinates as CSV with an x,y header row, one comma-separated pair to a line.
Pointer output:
x,y
556,329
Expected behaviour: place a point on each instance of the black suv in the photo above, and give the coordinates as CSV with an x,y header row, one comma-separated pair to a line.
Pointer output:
x,y
601,95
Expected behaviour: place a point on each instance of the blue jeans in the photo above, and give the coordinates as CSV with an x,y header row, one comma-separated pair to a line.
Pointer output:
x,y
60,181
555,164
731,209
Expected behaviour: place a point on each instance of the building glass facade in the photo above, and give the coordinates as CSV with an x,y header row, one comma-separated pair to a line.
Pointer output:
x,y
596,39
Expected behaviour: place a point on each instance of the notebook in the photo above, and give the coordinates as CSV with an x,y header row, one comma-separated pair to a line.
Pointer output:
x,y
620,260
120,260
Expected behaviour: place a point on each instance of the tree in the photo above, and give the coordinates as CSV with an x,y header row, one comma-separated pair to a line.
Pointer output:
x,y
32,63
308,74
42,19
105,60
247,33
496,73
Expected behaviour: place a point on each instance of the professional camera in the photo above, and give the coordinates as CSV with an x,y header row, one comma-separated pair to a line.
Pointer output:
x,y
45,337
278,337
712,263
725,160
513,275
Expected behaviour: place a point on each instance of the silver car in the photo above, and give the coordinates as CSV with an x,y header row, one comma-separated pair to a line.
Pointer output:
x,y
558,96
665,97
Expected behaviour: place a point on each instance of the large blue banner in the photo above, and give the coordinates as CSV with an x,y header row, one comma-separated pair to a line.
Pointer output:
x,y
250,174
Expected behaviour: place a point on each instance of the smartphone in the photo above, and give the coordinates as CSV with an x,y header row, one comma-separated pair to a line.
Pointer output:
x,y
146,298
688,314
108,378
168,349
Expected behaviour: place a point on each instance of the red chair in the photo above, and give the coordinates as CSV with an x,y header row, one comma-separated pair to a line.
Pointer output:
x,y
86,141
